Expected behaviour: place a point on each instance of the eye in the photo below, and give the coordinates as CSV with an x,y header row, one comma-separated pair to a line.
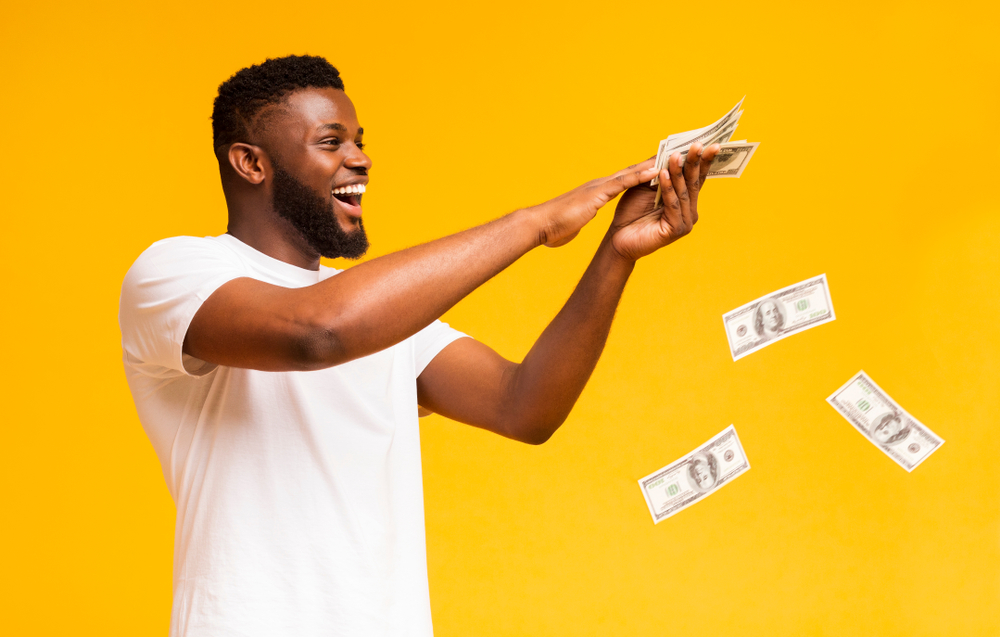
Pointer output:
x,y
332,141
360,145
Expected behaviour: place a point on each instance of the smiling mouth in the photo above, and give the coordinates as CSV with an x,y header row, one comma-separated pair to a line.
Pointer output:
x,y
350,196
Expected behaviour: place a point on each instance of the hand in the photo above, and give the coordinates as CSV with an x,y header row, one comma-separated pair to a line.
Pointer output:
x,y
561,219
641,228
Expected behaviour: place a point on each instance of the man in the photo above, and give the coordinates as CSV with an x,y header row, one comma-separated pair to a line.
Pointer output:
x,y
281,395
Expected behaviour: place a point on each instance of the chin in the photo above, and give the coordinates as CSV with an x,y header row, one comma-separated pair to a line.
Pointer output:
x,y
349,225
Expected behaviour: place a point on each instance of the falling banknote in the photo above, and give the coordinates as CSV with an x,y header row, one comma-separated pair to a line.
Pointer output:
x,y
777,315
884,423
698,474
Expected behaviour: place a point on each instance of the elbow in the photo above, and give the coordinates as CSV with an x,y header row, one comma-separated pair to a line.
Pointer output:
x,y
537,438
318,347
531,416
536,433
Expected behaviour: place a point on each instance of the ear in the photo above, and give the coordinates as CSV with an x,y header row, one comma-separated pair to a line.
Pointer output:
x,y
250,162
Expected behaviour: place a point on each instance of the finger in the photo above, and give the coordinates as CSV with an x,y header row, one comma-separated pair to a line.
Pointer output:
x,y
646,163
707,156
692,170
680,189
627,178
692,165
671,205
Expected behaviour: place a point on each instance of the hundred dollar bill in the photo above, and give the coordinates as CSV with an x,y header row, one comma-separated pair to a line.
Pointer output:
x,y
731,159
710,136
884,423
779,314
696,475
720,131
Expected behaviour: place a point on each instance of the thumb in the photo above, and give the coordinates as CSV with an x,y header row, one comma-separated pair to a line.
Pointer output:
x,y
625,179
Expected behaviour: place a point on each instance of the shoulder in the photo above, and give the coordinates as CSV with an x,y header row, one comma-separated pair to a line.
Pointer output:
x,y
326,271
181,254
182,247
178,266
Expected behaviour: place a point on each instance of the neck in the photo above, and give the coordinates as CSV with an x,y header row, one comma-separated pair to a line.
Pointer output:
x,y
278,240
254,221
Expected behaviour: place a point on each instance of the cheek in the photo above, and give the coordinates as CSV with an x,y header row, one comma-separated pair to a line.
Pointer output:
x,y
324,164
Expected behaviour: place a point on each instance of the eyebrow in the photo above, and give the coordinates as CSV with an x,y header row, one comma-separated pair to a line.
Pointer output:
x,y
338,127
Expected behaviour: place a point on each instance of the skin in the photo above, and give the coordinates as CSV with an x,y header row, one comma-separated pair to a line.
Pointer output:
x,y
315,136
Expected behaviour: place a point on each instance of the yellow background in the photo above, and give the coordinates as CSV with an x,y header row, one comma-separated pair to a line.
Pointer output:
x,y
878,129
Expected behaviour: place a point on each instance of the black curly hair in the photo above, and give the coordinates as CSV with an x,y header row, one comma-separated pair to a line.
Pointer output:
x,y
249,90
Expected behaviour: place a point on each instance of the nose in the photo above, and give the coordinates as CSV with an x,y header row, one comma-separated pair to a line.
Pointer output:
x,y
357,158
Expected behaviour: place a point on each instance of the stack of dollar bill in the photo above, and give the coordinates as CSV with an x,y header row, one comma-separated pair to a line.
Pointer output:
x,y
732,158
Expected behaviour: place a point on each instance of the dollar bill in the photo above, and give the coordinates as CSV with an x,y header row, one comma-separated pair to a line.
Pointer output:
x,y
719,136
706,135
731,159
713,131
698,474
707,138
780,314
884,423
717,132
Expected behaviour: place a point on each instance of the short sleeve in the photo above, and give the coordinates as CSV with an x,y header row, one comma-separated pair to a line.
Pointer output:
x,y
162,291
428,343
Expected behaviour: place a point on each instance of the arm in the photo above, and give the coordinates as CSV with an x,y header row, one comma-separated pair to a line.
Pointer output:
x,y
470,383
252,324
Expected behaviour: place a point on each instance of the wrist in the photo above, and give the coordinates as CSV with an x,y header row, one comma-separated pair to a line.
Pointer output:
x,y
615,260
531,222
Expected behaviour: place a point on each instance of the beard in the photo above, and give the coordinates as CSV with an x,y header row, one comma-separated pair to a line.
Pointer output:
x,y
313,217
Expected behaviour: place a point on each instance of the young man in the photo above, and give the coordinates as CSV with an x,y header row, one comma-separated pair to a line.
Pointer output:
x,y
281,395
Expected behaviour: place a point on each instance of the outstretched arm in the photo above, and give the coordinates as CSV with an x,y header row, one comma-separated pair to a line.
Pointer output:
x,y
471,383
372,306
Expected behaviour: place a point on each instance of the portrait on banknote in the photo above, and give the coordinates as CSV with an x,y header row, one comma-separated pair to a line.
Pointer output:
x,y
889,429
725,158
769,319
703,472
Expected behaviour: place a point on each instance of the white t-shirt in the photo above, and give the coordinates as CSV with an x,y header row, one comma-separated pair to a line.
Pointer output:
x,y
299,494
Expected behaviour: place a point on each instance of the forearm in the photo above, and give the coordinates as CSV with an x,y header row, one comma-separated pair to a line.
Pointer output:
x,y
256,325
544,387
384,301
528,401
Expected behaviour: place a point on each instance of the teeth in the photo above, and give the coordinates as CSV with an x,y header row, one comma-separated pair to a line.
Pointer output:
x,y
350,190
